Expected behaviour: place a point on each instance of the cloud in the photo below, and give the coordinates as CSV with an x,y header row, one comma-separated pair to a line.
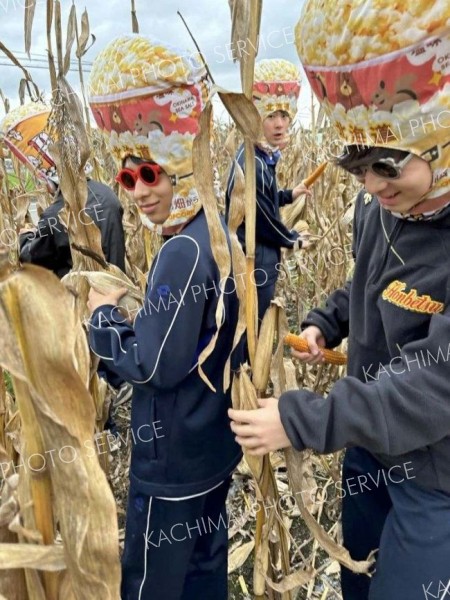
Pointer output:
x,y
209,22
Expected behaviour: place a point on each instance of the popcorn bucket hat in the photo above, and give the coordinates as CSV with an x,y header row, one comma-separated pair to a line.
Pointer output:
x,y
23,131
146,97
381,71
276,87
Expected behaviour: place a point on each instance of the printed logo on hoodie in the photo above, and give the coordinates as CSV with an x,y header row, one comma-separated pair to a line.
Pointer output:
x,y
395,294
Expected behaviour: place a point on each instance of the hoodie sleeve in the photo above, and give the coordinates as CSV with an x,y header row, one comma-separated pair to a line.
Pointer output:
x,y
333,320
402,406
162,346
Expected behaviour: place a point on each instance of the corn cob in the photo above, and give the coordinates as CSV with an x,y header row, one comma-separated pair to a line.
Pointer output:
x,y
315,175
331,356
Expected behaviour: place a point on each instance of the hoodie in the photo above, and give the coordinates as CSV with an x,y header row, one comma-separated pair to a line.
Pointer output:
x,y
395,401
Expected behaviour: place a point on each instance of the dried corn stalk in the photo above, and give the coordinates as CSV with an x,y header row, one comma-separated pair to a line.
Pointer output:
x,y
39,351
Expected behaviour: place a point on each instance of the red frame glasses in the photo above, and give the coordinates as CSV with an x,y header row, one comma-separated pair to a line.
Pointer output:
x,y
149,175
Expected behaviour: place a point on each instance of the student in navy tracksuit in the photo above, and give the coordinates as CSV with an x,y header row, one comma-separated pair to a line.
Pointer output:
x,y
392,411
275,95
174,353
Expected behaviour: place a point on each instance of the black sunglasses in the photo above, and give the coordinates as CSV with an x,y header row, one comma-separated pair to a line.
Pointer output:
x,y
388,168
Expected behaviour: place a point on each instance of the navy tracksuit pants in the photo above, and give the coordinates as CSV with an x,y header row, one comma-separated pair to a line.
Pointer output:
x,y
409,524
176,549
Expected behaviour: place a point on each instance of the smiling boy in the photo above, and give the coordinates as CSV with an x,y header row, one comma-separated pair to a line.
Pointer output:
x,y
176,541
393,408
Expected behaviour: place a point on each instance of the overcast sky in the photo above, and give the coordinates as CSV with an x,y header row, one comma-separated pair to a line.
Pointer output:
x,y
209,21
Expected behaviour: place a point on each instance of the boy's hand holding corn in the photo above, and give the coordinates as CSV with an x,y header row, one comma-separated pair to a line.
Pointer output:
x,y
316,343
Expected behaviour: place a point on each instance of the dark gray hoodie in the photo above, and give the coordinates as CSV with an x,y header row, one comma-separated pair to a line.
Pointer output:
x,y
395,401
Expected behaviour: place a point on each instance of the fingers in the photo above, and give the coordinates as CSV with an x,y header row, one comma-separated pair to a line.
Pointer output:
x,y
121,292
241,416
243,430
251,444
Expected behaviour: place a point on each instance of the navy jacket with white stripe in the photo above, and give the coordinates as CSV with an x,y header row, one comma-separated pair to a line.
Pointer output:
x,y
271,233
182,441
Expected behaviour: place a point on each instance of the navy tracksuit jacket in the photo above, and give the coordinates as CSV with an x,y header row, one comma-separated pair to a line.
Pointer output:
x,y
271,233
183,444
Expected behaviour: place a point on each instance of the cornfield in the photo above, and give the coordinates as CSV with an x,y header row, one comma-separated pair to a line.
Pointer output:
x,y
63,479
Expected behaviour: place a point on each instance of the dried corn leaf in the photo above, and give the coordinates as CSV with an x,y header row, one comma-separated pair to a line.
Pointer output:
x,y
71,152
43,558
12,582
243,112
105,282
292,581
58,35
83,502
263,356
30,7
16,62
204,179
295,469
235,218
134,19
70,38
51,60
84,35
246,22
239,555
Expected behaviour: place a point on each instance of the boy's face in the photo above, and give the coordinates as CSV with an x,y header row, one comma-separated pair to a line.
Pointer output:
x,y
275,128
154,201
402,194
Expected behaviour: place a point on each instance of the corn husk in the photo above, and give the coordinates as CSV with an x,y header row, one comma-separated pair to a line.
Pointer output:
x,y
38,350
105,282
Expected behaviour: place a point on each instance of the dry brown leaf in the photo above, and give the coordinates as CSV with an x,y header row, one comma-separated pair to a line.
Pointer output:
x,y
292,581
239,555
204,180
246,22
83,502
263,356
30,7
336,552
84,35
235,218
134,19
43,558
244,114
70,37
12,582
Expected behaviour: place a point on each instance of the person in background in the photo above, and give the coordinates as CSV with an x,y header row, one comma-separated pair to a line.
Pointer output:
x,y
24,131
47,245
275,95
392,411
176,351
